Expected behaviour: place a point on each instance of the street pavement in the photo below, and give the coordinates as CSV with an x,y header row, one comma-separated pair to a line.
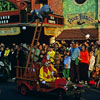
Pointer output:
x,y
8,91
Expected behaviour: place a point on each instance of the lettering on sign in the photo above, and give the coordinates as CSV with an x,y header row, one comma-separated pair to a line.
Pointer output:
x,y
9,31
81,18
4,19
52,20
9,19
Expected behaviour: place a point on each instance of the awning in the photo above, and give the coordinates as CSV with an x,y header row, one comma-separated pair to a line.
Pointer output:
x,y
78,34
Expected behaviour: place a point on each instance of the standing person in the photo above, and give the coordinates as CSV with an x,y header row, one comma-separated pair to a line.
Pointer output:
x,y
67,62
71,46
97,54
84,64
57,60
37,54
91,64
41,53
1,53
51,54
20,56
75,55
12,59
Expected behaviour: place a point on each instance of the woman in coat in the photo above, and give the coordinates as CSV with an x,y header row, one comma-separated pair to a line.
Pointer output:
x,y
84,64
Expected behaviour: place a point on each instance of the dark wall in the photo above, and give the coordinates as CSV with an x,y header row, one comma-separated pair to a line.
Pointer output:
x,y
24,37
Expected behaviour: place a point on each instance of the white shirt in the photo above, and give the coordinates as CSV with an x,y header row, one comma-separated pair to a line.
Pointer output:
x,y
92,62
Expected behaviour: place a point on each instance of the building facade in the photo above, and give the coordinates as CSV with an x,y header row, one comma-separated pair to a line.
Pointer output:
x,y
80,14
15,17
81,18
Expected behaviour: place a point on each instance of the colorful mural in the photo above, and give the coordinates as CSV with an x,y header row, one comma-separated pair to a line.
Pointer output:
x,y
7,6
82,15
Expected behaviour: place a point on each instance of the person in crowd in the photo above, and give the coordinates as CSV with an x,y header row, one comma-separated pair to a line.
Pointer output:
x,y
75,55
44,46
14,46
20,56
62,51
57,60
91,46
56,46
1,53
87,46
71,46
91,64
42,53
79,46
12,60
6,59
96,77
84,64
97,54
51,54
37,53
67,62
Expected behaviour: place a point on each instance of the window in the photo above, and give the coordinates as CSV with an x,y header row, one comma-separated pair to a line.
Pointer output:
x,y
80,1
44,1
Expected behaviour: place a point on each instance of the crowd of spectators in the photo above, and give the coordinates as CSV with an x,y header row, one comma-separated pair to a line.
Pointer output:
x,y
75,60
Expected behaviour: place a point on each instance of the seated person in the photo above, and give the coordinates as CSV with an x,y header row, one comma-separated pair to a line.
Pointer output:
x,y
47,72
96,77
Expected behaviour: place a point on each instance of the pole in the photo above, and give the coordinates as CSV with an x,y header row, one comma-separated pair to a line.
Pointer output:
x,y
98,20
99,32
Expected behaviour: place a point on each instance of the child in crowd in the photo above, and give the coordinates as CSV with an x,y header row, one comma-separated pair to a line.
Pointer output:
x,y
91,64
67,62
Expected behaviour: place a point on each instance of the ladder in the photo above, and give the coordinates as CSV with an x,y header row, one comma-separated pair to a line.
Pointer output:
x,y
36,37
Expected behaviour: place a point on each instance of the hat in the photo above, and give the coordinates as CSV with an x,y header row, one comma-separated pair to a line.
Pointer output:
x,y
46,59
67,50
88,35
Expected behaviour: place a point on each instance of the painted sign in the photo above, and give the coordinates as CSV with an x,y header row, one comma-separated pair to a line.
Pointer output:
x,y
87,12
80,19
9,19
7,6
9,31
51,19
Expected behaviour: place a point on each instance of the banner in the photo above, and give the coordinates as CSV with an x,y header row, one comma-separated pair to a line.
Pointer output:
x,y
9,31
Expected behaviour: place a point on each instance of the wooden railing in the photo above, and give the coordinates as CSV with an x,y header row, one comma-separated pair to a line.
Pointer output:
x,y
30,74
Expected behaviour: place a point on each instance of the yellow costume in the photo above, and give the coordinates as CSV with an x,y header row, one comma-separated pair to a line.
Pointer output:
x,y
46,73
